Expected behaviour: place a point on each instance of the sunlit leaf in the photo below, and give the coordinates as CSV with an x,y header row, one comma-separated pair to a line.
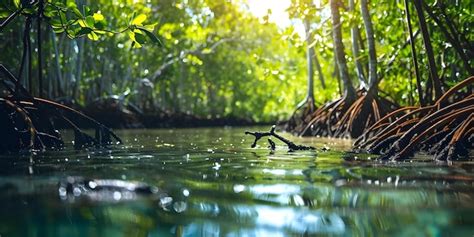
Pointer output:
x,y
149,27
206,51
98,16
139,19
93,36
131,35
82,23
58,30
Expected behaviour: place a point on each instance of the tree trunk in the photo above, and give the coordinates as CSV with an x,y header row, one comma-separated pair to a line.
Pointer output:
x,y
39,45
320,71
369,32
355,49
80,59
413,54
349,90
451,37
429,49
57,87
309,63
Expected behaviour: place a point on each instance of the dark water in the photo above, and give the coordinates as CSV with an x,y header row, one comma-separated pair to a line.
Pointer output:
x,y
209,182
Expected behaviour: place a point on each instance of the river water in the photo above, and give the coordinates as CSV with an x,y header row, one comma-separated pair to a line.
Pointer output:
x,y
209,182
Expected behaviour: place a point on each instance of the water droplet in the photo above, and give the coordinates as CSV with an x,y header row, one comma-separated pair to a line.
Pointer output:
x,y
165,201
76,191
186,192
62,192
92,184
117,196
180,206
216,166
239,188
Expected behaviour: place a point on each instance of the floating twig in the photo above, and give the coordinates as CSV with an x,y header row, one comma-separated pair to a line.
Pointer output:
x,y
291,146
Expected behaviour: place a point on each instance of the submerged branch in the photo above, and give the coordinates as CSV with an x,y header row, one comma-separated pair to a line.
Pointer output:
x,y
291,146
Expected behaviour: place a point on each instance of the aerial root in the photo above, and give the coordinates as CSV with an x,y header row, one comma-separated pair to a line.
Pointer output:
x,y
444,129
344,117
27,122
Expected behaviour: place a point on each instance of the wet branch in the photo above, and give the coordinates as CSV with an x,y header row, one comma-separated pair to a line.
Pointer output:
x,y
291,146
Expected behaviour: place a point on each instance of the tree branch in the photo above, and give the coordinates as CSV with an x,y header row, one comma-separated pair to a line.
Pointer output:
x,y
291,146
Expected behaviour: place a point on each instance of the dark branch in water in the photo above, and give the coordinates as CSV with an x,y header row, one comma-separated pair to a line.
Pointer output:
x,y
291,146
272,144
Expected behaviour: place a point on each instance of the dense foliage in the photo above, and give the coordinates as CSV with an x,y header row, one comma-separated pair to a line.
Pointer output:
x,y
216,59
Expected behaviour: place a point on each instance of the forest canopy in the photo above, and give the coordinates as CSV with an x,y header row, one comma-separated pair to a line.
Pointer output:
x,y
216,59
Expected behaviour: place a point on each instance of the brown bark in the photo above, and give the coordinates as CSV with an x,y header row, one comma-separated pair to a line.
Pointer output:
x,y
349,90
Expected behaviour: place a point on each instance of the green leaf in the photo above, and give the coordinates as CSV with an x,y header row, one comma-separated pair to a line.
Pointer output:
x,y
57,30
63,18
77,12
140,38
100,25
4,13
84,31
86,10
98,16
93,36
150,35
90,21
131,34
139,19
82,23
132,17
149,27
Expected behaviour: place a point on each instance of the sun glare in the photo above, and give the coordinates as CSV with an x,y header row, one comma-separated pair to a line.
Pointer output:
x,y
278,15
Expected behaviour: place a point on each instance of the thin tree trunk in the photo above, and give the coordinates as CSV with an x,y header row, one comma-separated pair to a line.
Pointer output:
x,y
40,56
80,59
451,37
336,74
309,63
413,54
320,71
369,32
349,90
355,49
365,64
453,27
59,78
429,49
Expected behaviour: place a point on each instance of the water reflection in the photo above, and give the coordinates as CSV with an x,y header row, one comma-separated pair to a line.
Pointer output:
x,y
207,182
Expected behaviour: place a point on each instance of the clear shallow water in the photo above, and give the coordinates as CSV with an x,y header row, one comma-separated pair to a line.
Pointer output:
x,y
211,183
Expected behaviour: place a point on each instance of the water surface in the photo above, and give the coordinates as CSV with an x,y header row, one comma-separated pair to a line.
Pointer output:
x,y
210,182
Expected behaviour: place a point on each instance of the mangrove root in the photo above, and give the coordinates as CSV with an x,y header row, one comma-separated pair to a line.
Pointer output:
x,y
444,129
27,122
